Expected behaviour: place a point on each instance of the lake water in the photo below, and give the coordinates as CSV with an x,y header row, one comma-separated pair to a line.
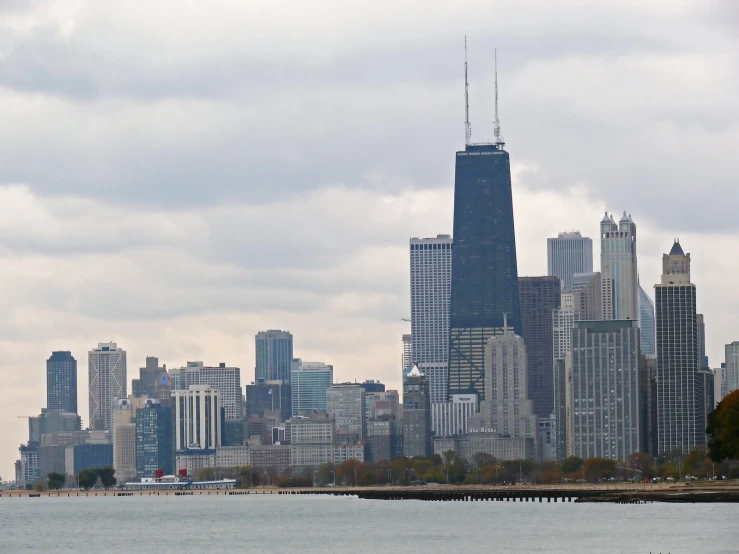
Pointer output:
x,y
339,524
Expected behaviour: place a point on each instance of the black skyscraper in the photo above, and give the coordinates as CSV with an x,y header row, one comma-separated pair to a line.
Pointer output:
x,y
61,382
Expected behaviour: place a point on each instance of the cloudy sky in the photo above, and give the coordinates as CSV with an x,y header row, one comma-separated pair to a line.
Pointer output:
x,y
176,176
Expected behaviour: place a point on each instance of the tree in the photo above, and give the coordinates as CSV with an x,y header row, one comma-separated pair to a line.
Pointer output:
x,y
571,464
56,480
39,486
206,474
325,474
346,472
482,459
107,478
600,468
723,428
87,478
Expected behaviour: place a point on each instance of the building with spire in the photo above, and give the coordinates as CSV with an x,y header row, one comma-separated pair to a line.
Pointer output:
x,y
679,405
484,268
618,268
416,415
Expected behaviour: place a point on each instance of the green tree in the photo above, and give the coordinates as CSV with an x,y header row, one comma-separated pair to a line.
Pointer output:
x,y
723,428
206,474
56,480
599,468
326,474
87,478
107,476
482,459
39,486
571,464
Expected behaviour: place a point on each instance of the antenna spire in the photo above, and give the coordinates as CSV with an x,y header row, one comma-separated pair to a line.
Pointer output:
x,y
498,137
467,127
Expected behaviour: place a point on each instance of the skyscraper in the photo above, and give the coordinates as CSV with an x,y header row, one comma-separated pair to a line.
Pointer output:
x,y
274,352
587,292
61,382
618,268
568,254
606,403
225,379
484,269
540,296
407,361
730,374
149,378
154,447
197,418
677,356
345,403
646,322
309,383
107,380
416,415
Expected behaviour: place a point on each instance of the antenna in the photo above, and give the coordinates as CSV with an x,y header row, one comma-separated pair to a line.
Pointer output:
x,y
467,127
498,137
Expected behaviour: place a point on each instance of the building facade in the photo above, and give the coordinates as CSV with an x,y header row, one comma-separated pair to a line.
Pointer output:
x,y
274,353
452,418
61,382
154,440
568,254
123,432
311,440
730,373
618,268
646,323
309,383
407,357
345,403
197,418
149,379
107,380
384,439
416,415
225,379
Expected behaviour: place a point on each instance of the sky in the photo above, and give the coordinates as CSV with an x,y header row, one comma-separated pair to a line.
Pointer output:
x,y
177,175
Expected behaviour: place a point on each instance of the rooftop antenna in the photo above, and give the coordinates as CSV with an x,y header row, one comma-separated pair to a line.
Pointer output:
x,y
498,137
467,127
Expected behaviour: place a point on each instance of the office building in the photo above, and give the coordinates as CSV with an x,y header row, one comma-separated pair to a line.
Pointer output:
x,y
228,457
485,441
648,391
271,397
274,353
407,358
57,422
380,404
311,440
384,439
452,418
226,380
416,415
677,355
646,323
123,432
79,457
197,418
539,297
149,379
618,268
29,470
52,449
107,380
562,406
346,405
61,382
309,383
587,296
155,449
730,373
568,254
606,409
705,402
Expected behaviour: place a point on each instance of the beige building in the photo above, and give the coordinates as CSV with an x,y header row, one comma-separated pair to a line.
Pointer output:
x,y
123,433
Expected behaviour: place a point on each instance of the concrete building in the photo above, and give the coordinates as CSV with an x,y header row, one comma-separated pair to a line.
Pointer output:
x,y
226,380
587,296
194,461
407,358
197,418
265,457
155,447
486,441
679,425
568,254
547,439
274,354
606,410
52,449
61,382
437,376
123,431
730,373
380,404
270,397
416,415
57,422
452,418
149,379
648,391
107,380
29,469
539,297
384,439
233,456
646,323
349,451
345,403
618,268
311,440
309,383
561,416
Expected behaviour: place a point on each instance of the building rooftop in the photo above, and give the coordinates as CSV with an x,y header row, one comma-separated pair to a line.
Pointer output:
x,y
677,249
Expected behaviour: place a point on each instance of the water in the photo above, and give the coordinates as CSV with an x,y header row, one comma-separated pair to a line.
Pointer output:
x,y
349,525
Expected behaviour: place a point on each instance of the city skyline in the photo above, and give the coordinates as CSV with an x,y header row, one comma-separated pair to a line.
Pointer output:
x,y
340,285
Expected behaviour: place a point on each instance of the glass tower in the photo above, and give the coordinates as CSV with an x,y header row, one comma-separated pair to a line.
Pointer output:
x,y
274,353
61,382
484,271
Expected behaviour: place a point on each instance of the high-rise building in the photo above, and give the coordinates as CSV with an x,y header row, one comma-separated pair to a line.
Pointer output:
x,y
646,322
407,359
540,296
384,440
431,283
311,440
587,292
606,402
123,432
345,403
618,268
107,380
269,397
154,446
676,324
61,382
416,415
197,418
150,377
381,404
568,254
730,373
309,383
274,353
648,391
51,421
511,411
226,380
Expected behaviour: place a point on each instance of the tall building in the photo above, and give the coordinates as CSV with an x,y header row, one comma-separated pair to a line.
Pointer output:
x,y
416,415
730,373
540,296
149,379
677,355
618,268
123,432
587,292
270,397
311,440
384,440
61,382
646,322
226,380
407,360
197,418
568,254
107,380
274,352
511,411
309,383
606,402
154,446
345,403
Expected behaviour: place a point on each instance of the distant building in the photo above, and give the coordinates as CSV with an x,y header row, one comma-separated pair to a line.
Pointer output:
x,y
384,439
730,374
648,392
311,440
58,422
123,432
274,353
568,254
372,386
61,382
587,296
79,457
197,418
407,361
149,378
194,461
155,448
52,449
107,380
618,268
416,415
345,403
30,465
547,439
486,441
270,396
452,418
264,457
225,379
380,404
232,456
646,323
309,383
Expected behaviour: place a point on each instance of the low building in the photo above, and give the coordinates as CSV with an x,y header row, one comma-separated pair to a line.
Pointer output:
x,y
87,456
265,457
487,441
194,461
384,439
232,456
452,418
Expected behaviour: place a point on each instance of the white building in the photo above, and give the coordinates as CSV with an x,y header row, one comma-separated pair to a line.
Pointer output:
x,y
618,268
107,380
197,418
452,418
431,285
568,254
233,456
226,380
